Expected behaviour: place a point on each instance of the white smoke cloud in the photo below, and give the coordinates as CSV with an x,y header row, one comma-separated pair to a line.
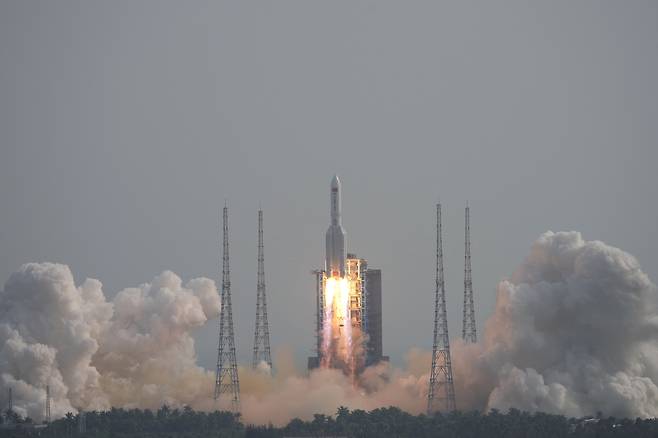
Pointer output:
x,y
573,332
48,335
137,351
134,351
147,355
290,393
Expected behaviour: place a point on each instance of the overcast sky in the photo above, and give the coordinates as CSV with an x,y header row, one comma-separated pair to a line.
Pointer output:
x,y
125,125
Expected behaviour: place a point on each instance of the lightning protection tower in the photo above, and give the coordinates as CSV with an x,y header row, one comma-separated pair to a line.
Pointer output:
x,y
226,378
47,403
82,422
262,332
441,394
469,333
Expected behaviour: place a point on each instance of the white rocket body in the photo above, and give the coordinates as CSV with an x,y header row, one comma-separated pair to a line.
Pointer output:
x,y
335,244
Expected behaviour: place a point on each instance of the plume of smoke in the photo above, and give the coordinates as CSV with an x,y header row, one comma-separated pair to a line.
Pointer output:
x,y
137,351
48,335
147,355
573,332
289,393
134,351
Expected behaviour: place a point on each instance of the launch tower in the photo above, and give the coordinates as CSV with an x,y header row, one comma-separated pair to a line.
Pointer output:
x,y
226,377
262,332
469,333
47,403
441,394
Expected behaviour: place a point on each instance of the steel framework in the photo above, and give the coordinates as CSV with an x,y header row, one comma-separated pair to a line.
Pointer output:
x,y
47,403
319,311
262,331
363,269
226,377
82,422
441,394
469,332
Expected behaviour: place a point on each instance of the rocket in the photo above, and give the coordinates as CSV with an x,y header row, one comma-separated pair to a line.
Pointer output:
x,y
335,243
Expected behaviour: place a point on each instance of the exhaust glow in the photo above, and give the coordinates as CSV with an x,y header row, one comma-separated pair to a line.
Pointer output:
x,y
337,324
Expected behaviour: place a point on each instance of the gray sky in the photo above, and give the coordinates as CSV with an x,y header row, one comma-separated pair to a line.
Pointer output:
x,y
124,125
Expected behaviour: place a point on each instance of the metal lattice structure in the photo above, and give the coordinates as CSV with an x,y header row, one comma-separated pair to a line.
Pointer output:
x,y
319,315
262,331
441,394
469,332
363,270
47,403
226,377
82,422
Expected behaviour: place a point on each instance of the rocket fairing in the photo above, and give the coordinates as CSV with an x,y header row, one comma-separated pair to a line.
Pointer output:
x,y
335,243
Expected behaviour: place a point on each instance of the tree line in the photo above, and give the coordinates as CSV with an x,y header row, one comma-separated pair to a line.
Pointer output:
x,y
392,422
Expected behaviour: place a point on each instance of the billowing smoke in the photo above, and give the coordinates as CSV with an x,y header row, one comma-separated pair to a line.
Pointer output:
x,y
290,393
137,351
134,351
574,331
147,356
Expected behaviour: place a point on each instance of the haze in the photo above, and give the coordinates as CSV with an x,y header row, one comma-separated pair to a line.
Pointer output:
x,y
124,126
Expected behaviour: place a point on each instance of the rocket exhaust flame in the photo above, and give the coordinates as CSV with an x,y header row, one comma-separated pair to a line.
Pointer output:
x,y
337,342
329,291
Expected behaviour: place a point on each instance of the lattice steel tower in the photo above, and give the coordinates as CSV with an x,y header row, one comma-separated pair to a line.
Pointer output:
x,y
441,394
262,332
82,422
47,403
226,378
469,333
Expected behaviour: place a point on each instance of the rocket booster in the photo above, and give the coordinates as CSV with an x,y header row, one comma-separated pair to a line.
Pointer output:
x,y
335,244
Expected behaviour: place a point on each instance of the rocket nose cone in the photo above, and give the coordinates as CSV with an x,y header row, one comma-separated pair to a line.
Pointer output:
x,y
335,182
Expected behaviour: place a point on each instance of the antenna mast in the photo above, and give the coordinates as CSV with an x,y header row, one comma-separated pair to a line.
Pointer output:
x,y
82,422
469,333
441,394
262,332
226,378
47,403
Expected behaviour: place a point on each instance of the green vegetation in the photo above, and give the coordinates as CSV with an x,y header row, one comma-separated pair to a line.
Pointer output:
x,y
385,422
